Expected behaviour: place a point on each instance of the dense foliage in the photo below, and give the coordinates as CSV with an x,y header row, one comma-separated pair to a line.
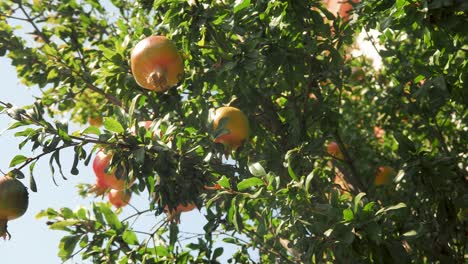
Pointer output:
x,y
288,66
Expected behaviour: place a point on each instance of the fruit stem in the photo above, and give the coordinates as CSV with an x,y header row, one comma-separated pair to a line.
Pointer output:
x,y
158,79
4,230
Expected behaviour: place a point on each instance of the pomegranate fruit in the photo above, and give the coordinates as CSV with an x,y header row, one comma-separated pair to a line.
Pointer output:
x,y
95,121
234,130
119,199
384,175
334,150
14,201
109,179
156,64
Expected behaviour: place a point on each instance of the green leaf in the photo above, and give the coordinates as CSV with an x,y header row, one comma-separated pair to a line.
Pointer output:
x,y
32,183
240,4
63,225
82,214
113,125
368,207
250,182
410,233
161,251
50,213
130,237
74,170
124,260
18,159
111,217
309,180
224,182
234,215
97,212
348,215
91,130
67,213
390,208
217,253
56,156
357,200
67,246
257,169
18,174
292,173
133,105
63,135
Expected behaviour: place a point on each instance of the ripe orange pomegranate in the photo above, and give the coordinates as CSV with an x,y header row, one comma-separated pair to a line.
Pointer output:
x,y
231,125
14,201
95,121
334,150
384,175
100,163
119,198
156,64
174,214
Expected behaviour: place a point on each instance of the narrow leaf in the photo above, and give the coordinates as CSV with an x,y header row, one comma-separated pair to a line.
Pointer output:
x,y
18,159
240,4
32,184
250,182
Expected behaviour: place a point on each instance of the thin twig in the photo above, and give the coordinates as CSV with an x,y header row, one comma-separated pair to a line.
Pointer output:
x,y
31,21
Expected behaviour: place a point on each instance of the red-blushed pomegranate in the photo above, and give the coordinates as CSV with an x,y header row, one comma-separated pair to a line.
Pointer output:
x,y
119,199
156,63
174,214
100,163
334,150
14,201
235,125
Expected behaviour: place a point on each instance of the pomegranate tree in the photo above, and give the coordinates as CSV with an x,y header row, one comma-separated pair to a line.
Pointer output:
x,y
13,202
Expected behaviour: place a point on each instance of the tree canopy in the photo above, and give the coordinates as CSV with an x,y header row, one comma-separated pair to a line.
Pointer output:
x,y
344,161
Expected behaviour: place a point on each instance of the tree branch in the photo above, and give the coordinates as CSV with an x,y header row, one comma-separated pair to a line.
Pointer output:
x,y
353,178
